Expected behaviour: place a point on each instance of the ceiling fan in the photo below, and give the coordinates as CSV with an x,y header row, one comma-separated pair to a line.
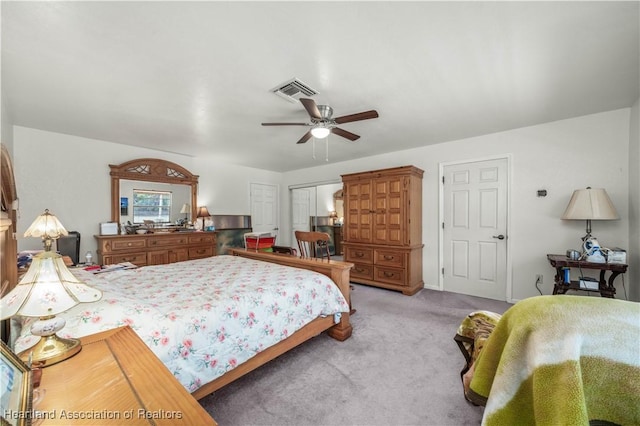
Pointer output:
x,y
322,124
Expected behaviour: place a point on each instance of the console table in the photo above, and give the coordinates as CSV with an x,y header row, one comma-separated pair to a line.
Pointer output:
x,y
605,286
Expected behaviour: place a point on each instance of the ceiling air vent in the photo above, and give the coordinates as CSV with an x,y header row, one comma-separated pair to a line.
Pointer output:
x,y
293,90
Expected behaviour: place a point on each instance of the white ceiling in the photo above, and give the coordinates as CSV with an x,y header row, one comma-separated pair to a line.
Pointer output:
x,y
195,77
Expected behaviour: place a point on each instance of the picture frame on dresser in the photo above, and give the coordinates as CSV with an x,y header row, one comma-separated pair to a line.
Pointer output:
x,y
16,395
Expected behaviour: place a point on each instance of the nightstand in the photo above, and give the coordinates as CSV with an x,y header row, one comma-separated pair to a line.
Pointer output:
x,y
116,379
605,287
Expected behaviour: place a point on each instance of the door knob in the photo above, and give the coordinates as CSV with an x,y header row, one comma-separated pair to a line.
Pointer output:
x,y
500,237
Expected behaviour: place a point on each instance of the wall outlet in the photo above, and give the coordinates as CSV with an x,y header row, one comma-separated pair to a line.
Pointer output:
x,y
539,279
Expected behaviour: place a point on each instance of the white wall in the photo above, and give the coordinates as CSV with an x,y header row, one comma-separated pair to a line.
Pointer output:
x,y
69,175
560,157
634,203
6,125
6,130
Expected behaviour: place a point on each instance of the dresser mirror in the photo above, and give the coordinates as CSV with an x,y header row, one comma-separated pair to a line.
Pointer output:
x,y
155,176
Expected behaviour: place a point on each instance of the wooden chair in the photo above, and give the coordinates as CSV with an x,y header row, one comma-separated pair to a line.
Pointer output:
x,y
313,244
316,244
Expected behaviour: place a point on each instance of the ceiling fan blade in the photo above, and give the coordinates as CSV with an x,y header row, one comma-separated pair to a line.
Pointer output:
x,y
366,115
305,138
341,132
285,124
311,107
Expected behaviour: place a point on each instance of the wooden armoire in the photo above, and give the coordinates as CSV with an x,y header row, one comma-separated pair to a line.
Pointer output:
x,y
383,228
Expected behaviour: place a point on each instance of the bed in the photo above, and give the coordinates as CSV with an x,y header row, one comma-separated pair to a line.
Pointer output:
x,y
555,360
209,320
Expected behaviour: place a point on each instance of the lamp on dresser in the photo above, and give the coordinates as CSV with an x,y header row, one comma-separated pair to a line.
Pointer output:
x,y
203,212
186,208
47,289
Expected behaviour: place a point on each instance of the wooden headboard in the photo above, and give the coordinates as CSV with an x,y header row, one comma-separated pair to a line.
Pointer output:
x,y
8,242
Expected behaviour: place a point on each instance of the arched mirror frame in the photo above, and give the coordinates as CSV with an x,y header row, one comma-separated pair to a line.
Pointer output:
x,y
150,170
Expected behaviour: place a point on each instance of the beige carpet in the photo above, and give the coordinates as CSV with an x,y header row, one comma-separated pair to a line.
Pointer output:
x,y
400,367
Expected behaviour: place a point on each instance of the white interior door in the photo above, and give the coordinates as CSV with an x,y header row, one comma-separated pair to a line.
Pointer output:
x,y
264,208
300,211
475,228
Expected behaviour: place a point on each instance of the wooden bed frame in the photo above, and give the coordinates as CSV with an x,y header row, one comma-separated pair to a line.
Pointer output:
x,y
337,271
8,243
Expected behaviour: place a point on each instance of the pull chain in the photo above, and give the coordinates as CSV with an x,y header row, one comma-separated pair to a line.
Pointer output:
x,y
326,155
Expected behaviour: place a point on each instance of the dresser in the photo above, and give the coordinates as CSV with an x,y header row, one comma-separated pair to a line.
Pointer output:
x,y
337,239
156,248
116,380
382,233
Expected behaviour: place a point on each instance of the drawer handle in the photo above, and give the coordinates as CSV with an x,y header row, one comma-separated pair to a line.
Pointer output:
x,y
153,243
201,251
129,244
389,274
359,254
360,270
387,257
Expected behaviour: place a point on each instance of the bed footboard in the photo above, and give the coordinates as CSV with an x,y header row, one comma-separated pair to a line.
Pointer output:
x,y
337,271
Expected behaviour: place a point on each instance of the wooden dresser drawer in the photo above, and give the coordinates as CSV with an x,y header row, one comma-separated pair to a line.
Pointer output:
x,y
155,249
128,244
200,252
390,258
137,258
167,241
358,254
362,270
390,275
202,238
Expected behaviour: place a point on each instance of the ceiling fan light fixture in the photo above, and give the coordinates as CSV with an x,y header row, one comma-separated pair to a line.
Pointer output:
x,y
320,132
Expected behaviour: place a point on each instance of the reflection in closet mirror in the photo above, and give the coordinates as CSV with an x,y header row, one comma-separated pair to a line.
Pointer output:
x,y
338,203
311,208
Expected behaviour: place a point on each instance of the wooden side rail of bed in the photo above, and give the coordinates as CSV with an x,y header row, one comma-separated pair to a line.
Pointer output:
x,y
337,271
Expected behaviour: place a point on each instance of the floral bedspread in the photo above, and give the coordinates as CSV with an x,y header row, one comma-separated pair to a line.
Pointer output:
x,y
204,317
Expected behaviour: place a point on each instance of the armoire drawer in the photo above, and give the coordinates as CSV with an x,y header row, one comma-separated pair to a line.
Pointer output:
x,y
389,258
390,275
362,270
358,254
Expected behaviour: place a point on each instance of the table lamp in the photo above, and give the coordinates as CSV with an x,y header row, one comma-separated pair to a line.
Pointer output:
x,y
334,217
47,289
203,212
590,204
186,208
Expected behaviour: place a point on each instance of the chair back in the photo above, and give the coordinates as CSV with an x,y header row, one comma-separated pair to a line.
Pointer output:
x,y
313,244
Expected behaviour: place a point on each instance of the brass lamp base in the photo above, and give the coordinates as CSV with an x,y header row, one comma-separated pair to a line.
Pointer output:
x,y
51,350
